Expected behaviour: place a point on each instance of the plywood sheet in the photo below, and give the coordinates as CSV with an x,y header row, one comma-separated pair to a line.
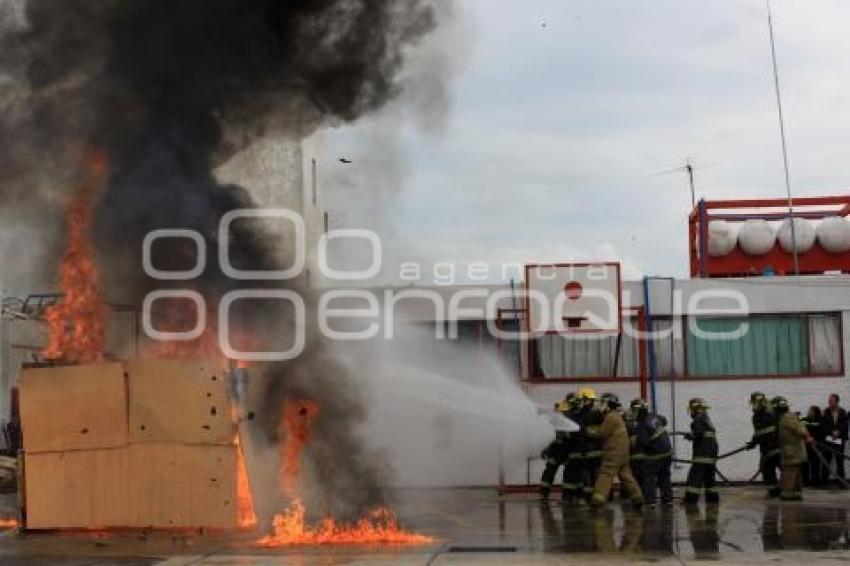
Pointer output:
x,y
173,486
179,401
77,489
73,407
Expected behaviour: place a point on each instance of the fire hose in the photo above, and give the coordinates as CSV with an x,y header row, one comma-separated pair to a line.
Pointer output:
x,y
825,462
833,450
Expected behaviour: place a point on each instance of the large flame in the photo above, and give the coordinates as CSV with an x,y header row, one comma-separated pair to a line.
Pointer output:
x,y
379,526
246,518
76,323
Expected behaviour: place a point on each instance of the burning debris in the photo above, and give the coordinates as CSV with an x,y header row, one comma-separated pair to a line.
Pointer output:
x,y
164,113
378,526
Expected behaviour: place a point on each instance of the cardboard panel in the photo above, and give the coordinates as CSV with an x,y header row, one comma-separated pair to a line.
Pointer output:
x,y
77,489
172,486
179,401
73,407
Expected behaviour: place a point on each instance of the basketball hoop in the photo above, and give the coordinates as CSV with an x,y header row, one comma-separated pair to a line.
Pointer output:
x,y
579,297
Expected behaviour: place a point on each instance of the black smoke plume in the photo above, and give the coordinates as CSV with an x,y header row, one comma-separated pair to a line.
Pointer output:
x,y
166,91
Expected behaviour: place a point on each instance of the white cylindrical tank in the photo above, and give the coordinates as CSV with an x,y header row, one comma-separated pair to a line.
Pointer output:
x,y
721,238
834,234
756,237
804,233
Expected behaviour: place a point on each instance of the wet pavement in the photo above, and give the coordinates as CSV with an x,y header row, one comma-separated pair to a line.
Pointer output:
x,y
479,526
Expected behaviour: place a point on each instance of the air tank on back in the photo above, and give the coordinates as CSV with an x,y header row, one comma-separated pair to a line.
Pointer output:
x,y
756,237
834,234
803,233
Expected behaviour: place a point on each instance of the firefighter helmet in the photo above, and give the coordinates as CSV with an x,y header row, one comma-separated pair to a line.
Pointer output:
x,y
697,404
780,403
638,405
587,394
758,400
610,400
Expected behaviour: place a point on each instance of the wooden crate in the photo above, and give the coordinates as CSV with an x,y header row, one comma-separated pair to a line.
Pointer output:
x,y
73,407
173,486
144,444
137,486
179,401
76,489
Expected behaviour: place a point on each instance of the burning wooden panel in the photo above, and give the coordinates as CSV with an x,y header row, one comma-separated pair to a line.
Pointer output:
x,y
179,401
178,468
173,485
76,489
73,407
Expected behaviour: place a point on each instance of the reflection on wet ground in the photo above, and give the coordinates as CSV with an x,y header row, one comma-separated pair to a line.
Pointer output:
x,y
479,526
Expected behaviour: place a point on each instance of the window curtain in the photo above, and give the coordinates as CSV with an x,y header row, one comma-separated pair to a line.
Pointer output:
x,y
585,355
771,346
825,343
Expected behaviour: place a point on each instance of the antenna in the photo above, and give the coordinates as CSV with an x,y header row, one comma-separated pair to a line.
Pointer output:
x,y
688,168
782,137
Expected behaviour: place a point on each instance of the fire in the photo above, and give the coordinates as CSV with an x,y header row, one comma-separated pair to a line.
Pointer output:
x,y
246,517
76,324
295,428
379,526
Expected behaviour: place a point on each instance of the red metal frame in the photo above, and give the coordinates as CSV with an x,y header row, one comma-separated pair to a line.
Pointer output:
x,y
739,264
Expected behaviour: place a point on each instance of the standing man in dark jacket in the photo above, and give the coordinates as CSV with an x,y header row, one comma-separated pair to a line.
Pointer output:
x,y
766,437
701,476
653,441
835,427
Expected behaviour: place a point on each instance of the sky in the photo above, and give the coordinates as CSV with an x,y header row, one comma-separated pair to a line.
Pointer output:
x,y
559,115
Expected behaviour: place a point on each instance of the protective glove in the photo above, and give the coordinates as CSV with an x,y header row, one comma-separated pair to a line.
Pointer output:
x,y
751,445
689,437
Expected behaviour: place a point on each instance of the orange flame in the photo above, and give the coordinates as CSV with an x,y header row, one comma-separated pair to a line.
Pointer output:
x,y
76,323
246,518
379,526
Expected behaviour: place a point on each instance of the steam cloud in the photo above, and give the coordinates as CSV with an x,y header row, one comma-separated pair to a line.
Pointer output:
x,y
167,91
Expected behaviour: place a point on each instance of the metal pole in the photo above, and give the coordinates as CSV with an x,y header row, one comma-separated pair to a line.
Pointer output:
x,y
782,136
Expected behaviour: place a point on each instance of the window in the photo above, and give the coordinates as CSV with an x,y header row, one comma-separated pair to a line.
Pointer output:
x,y
586,356
794,344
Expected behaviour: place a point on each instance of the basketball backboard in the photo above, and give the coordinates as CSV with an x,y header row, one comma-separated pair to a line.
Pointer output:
x,y
573,297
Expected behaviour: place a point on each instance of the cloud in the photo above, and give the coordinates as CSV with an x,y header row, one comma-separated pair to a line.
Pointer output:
x,y
556,132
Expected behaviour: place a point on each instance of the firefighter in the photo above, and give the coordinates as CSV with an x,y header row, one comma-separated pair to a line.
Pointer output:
x,y
556,453
793,438
653,439
636,455
615,454
573,484
590,415
701,476
766,437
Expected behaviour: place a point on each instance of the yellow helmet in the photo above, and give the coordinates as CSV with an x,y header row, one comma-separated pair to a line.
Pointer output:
x,y
587,393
